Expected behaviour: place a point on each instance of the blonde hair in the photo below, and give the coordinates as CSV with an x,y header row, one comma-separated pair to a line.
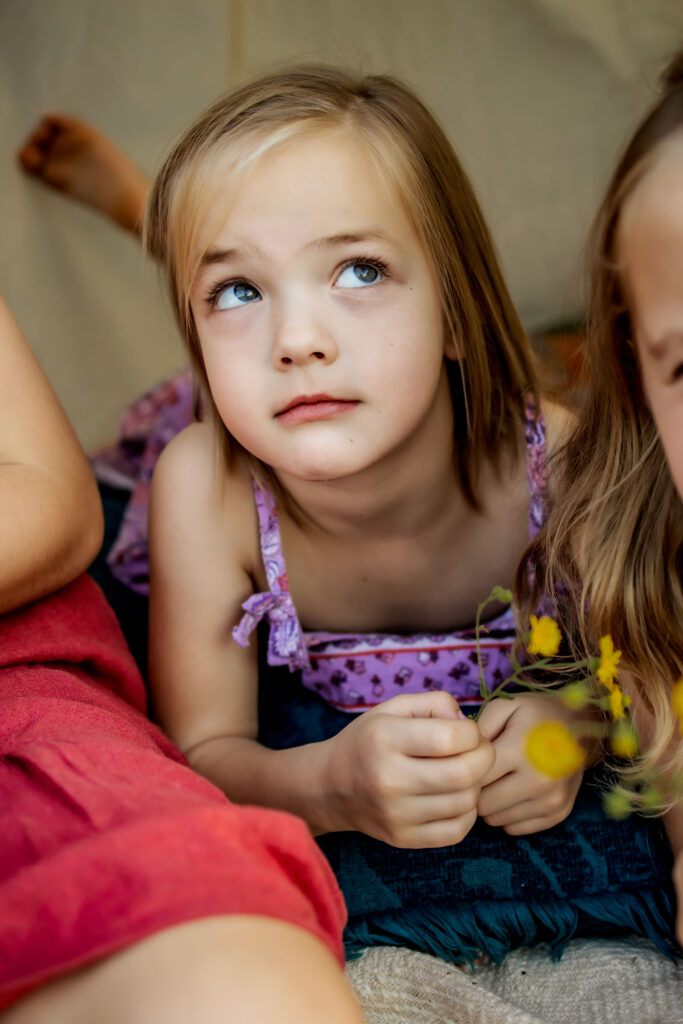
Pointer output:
x,y
411,152
611,552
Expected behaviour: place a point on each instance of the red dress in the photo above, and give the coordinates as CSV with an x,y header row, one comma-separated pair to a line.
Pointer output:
x,y
106,835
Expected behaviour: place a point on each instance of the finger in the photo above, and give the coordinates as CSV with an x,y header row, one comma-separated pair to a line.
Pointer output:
x,y
494,717
507,761
461,772
435,738
441,807
420,737
529,825
513,789
552,808
434,834
436,704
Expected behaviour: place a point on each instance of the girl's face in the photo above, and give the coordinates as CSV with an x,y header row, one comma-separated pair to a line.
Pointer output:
x,y
651,252
319,317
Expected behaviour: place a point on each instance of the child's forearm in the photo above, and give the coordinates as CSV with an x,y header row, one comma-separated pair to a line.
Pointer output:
x,y
288,780
407,772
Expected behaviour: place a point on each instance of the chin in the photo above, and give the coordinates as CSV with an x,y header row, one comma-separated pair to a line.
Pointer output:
x,y
322,469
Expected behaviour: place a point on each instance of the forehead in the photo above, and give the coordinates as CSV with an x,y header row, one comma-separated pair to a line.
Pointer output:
x,y
328,180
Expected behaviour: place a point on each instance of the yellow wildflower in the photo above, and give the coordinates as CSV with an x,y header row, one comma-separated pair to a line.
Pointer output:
x,y
618,702
623,740
607,670
616,804
552,749
575,695
652,799
545,637
677,702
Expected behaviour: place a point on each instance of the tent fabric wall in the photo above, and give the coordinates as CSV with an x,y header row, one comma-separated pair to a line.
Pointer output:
x,y
537,95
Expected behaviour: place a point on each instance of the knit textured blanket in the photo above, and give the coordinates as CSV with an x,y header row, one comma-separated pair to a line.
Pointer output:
x,y
589,876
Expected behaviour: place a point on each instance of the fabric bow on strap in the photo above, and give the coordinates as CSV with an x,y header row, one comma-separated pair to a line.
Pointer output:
x,y
285,641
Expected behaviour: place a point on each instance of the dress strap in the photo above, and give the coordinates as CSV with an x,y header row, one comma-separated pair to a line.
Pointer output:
x,y
534,432
286,644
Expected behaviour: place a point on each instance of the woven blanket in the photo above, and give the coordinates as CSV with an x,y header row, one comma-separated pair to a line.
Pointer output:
x,y
589,876
597,981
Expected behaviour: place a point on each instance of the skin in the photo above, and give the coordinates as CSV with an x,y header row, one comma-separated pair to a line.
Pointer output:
x,y
292,301
651,248
208,970
651,252
72,157
50,513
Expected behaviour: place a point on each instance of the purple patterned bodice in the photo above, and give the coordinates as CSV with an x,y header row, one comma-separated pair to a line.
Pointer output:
x,y
356,671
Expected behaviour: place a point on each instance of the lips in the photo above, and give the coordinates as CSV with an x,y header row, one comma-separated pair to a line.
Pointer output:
x,y
306,408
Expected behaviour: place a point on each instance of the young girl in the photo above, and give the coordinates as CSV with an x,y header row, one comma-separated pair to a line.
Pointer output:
x,y
313,210
130,889
374,464
616,538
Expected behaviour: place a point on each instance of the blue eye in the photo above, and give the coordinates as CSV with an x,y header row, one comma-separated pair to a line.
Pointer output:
x,y
359,275
238,294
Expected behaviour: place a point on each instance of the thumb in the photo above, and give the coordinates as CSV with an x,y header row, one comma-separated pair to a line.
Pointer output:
x,y
435,704
495,716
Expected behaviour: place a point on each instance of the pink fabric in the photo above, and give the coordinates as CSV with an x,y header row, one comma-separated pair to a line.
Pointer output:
x,y
107,835
147,426
354,672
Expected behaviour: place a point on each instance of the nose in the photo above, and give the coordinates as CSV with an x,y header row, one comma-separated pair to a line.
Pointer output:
x,y
300,337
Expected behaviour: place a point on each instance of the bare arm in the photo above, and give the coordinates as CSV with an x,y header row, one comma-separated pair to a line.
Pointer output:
x,y
407,772
204,685
50,512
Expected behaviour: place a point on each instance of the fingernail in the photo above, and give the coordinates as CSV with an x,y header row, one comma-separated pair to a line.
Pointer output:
x,y
461,713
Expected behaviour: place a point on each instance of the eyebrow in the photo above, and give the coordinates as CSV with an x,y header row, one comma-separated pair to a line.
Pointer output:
x,y
214,256
346,238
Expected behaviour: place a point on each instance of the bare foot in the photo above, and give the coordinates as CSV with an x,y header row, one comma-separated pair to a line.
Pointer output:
x,y
73,157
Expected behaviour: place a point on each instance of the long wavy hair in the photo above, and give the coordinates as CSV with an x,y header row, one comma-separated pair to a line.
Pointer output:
x,y
611,553
412,153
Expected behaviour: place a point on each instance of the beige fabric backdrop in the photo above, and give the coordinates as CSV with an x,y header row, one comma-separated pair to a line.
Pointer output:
x,y
140,70
537,95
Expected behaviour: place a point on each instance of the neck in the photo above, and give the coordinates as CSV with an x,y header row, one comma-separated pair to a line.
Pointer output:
x,y
404,494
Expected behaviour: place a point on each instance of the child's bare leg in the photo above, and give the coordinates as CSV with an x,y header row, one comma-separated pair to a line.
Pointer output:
x,y
73,157
212,971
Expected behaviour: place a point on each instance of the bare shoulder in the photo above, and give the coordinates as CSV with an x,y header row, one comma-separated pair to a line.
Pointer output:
x,y
197,497
559,424
203,554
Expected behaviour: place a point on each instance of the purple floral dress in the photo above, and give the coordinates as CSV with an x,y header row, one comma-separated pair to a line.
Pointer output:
x,y
354,672
146,428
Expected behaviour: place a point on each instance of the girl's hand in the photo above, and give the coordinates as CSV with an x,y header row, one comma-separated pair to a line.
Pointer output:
x,y
407,772
514,795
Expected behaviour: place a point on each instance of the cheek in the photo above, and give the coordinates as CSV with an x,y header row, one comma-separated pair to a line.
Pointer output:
x,y
231,380
670,426
667,411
